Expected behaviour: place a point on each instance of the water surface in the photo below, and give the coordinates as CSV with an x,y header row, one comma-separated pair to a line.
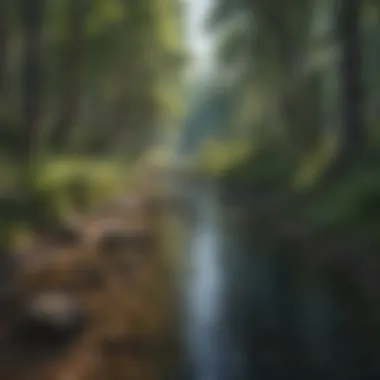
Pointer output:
x,y
216,297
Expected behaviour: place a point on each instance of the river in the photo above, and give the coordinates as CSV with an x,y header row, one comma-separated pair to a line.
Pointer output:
x,y
253,312
217,305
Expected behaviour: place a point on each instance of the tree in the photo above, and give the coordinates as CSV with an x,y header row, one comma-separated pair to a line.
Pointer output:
x,y
72,71
298,77
4,14
32,21
98,78
353,135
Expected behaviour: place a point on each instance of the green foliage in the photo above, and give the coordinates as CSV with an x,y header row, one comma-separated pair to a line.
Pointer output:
x,y
268,168
95,179
287,83
215,157
352,204
60,188
111,75
311,168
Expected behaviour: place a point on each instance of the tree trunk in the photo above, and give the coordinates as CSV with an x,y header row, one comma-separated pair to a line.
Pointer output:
x,y
353,134
32,22
72,70
3,40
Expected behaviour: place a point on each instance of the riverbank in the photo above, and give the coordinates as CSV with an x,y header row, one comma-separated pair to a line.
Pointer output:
x,y
78,244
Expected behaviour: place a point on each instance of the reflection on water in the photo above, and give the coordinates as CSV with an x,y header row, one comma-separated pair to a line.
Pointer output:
x,y
204,302
215,350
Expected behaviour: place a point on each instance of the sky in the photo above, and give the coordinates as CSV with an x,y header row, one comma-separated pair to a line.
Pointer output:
x,y
200,42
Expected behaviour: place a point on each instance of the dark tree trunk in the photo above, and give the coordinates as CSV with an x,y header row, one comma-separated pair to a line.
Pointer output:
x,y
72,70
32,23
353,134
3,40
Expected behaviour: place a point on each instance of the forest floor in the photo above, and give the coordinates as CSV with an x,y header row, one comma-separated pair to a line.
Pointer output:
x,y
105,262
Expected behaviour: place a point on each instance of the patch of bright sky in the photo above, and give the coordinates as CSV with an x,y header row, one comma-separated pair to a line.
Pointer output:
x,y
200,42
